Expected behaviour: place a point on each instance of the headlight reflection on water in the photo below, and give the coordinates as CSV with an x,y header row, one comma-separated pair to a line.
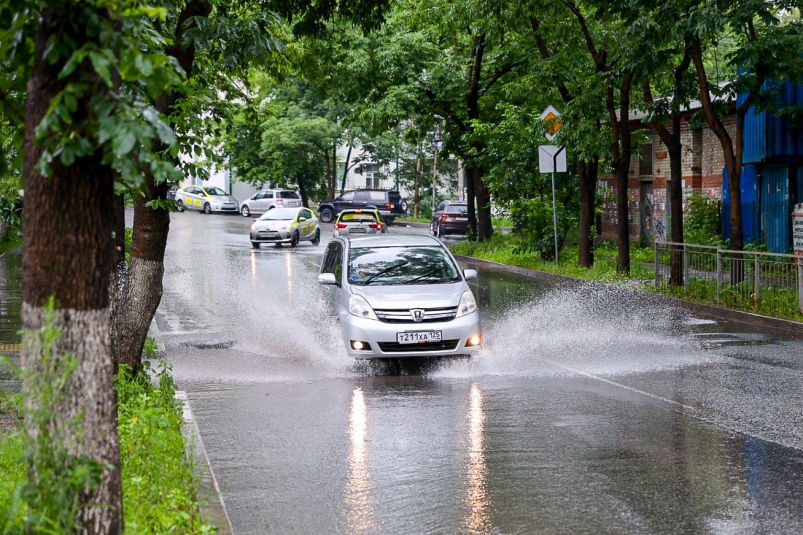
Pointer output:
x,y
358,498
477,516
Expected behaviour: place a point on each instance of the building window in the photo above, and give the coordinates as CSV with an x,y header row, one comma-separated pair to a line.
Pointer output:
x,y
645,159
371,172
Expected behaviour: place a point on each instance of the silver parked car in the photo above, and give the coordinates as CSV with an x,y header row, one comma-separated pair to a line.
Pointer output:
x,y
401,296
285,225
268,199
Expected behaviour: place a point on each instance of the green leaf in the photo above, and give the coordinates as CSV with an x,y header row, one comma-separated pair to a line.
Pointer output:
x,y
102,66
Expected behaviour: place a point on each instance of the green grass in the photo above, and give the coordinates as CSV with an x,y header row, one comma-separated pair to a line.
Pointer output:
x,y
158,482
509,249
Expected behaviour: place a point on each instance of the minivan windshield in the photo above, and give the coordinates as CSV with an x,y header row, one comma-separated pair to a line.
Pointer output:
x,y
401,265
280,214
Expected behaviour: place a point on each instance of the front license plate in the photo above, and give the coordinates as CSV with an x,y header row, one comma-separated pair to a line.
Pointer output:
x,y
268,234
420,337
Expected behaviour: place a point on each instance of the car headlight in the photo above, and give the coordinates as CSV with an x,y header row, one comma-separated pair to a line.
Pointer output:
x,y
359,307
467,304
254,226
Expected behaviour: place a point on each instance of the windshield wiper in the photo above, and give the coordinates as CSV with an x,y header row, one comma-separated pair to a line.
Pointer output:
x,y
426,274
367,281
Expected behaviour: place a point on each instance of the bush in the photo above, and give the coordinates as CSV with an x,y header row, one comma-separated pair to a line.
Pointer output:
x,y
702,221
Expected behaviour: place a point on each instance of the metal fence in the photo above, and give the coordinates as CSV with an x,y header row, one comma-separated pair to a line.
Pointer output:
x,y
763,282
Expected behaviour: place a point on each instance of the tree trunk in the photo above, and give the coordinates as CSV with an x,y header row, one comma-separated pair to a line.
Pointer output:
x,y
70,258
622,177
676,202
345,170
587,173
483,196
142,290
302,190
470,201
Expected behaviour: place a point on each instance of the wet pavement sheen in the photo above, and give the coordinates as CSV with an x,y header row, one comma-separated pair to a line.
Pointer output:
x,y
590,410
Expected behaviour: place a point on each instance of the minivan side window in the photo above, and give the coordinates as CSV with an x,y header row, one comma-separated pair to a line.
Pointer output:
x,y
288,195
361,196
333,260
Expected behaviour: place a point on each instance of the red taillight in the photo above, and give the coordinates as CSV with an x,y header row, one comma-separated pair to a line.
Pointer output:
x,y
375,225
445,217
388,206
279,201
340,225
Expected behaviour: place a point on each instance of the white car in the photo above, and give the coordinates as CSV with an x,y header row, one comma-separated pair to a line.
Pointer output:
x,y
401,296
268,199
285,225
206,199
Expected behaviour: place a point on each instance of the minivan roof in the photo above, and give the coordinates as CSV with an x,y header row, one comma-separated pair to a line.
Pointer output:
x,y
398,240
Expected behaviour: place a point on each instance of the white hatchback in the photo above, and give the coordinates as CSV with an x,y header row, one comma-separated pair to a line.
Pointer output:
x,y
401,296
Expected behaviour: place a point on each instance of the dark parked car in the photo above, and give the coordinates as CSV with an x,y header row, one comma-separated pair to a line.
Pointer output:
x,y
389,203
451,217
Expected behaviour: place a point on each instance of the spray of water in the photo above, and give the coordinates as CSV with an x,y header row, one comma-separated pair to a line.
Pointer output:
x,y
592,328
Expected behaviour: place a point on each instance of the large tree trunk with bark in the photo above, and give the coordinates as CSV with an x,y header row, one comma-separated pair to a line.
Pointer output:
x,y
70,258
587,173
141,290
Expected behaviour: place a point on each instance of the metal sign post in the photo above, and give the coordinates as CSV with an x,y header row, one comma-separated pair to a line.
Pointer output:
x,y
554,203
552,159
549,158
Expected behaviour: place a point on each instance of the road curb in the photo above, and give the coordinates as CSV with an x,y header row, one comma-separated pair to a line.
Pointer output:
x,y
210,500
790,326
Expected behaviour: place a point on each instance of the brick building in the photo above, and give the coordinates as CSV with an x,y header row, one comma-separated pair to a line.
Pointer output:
x,y
771,182
702,165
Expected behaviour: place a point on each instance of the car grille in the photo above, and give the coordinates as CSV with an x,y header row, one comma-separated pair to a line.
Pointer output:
x,y
394,347
404,316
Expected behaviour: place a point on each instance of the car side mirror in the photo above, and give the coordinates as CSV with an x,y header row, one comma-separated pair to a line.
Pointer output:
x,y
327,279
301,218
470,274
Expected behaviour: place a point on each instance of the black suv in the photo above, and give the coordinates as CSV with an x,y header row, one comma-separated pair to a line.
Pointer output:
x,y
389,203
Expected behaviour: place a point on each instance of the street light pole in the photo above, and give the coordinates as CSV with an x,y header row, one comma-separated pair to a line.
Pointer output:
x,y
437,141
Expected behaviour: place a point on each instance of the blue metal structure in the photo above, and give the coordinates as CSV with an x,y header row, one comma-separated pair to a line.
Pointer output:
x,y
771,138
750,208
776,208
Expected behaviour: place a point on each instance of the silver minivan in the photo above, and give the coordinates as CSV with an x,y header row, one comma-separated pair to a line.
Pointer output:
x,y
400,296
268,199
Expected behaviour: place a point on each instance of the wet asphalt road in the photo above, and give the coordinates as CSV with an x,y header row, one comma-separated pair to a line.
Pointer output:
x,y
589,410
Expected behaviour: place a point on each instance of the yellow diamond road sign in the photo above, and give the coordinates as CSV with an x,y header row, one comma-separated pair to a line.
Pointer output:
x,y
552,118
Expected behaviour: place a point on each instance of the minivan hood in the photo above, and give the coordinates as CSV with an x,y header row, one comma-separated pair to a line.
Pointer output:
x,y
412,295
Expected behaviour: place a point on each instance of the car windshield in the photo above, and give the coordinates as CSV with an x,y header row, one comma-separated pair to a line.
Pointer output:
x,y
401,265
215,191
280,214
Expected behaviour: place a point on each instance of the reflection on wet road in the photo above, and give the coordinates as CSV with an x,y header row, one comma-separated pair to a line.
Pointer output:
x,y
589,410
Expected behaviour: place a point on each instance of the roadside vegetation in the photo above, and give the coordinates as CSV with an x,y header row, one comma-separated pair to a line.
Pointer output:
x,y
157,478
513,249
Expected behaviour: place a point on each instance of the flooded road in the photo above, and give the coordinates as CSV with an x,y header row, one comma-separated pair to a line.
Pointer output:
x,y
589,410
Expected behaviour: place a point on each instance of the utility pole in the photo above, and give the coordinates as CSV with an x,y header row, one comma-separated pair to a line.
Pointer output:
x,y
437,142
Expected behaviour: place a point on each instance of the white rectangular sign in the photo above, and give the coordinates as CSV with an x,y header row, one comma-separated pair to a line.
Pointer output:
x,y
546,154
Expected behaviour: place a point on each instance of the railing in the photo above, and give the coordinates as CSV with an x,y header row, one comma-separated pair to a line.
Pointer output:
x,y
770,283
